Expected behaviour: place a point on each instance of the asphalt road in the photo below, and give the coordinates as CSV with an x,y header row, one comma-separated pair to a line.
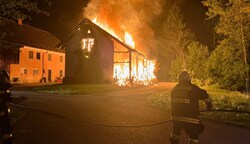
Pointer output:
x,y
113,118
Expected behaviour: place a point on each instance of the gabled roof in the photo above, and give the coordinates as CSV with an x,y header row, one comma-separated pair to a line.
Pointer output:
x,y
26,35
87,21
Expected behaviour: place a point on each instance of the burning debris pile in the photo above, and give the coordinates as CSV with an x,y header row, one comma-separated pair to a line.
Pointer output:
x,y
128,22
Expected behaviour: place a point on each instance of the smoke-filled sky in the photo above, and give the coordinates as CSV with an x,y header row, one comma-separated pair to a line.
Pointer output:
x,y
141,18
132,16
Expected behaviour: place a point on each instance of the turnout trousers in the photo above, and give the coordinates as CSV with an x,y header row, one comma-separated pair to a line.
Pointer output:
x,y
6,129
192,130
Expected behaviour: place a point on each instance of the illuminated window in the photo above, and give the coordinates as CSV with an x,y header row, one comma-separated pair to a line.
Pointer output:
x,y
87,44
35,71
24,71
31,55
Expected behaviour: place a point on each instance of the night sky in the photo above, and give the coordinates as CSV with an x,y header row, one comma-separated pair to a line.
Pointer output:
x,y
66,14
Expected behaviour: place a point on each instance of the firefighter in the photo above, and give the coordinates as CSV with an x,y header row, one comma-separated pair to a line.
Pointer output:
x,y
185,98
5,98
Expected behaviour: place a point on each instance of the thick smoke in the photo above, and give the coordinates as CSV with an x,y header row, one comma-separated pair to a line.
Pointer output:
x,y
134,16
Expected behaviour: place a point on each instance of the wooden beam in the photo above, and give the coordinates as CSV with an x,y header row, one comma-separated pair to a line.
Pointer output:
x,y
121,51
120,62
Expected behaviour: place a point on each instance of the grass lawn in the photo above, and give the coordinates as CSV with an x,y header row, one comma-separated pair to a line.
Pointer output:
x,y
221,99
81,89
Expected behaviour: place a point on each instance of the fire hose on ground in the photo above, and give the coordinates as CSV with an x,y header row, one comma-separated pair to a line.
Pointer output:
x,y
224,110
123,126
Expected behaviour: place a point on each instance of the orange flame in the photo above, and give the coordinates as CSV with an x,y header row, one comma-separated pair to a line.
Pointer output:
x,y
142,73
106,28
129,39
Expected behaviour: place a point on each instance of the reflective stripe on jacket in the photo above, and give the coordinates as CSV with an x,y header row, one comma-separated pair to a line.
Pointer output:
x,y
185,119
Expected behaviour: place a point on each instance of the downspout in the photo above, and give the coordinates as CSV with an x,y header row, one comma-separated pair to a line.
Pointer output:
x,y
43,70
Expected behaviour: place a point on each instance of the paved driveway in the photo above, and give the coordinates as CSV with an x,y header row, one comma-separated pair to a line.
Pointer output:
x,y
113,118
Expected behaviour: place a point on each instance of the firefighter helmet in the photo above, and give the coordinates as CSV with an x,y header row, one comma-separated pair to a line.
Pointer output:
x,y
184,76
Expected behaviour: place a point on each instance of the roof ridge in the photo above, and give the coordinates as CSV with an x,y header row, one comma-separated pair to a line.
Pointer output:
x,y
29,35
39,30
27,25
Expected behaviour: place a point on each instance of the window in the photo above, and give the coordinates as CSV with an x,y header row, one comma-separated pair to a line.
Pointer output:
x,y
61,58
38,55
61,73
24,71
87,45
30,54
35,71
49,57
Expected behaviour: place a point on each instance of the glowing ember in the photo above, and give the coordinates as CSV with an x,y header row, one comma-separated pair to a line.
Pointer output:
x,y
145,74
121,74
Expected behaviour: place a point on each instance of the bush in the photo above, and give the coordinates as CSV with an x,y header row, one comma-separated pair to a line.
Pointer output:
x,y
226,67
176,68
196,62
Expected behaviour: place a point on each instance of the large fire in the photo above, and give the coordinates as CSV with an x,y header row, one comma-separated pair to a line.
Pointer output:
x,y
129,39
142,69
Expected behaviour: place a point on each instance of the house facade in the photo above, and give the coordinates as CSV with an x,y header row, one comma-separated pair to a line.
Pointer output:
x,y
35,58
38,65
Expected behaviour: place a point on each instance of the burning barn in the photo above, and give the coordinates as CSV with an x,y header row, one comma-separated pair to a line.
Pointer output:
x,y
97,55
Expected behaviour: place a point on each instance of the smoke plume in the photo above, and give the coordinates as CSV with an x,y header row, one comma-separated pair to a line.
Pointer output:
x,y
134,16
